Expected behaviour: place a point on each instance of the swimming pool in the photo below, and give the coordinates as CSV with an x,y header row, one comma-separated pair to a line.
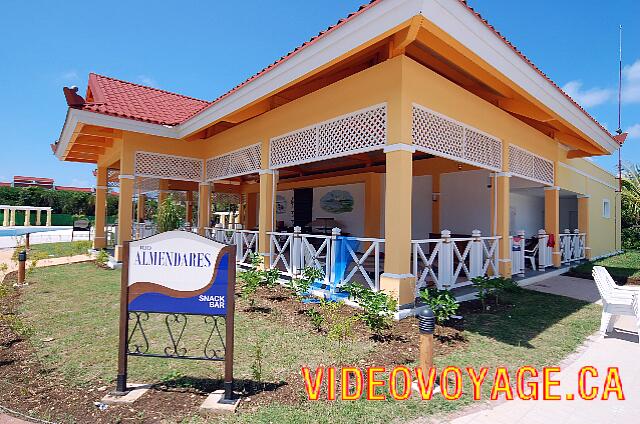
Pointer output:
x,y
20,231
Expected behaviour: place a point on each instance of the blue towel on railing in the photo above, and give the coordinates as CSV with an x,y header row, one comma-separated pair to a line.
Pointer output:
x,y
343,257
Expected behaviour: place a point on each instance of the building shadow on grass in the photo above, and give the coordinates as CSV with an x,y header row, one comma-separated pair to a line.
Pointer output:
x,y
523,316
208,385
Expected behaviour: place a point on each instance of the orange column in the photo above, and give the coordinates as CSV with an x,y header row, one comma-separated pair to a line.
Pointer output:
x,y
502,183
125,212
142,205
435,203
397,279
189,211
252,210
373,205
583,221
268,184
552,220
99,240
204,207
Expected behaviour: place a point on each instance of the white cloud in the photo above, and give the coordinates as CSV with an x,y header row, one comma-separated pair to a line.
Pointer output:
x,y
631,83
147,80
76,182
71,76
634,131
587,97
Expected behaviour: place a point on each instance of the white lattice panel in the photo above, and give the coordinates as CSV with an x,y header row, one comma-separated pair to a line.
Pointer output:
x,y
530,166
442,136
360,131
113,179
168,167
241,162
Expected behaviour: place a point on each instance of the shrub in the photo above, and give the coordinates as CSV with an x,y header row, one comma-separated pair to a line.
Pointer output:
x,y
169,215
442,303
631,238
301,286
493,286
250,282
256,366
317,319
102,257
378,307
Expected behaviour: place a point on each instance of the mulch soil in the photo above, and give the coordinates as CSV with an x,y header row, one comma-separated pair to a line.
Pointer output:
x,y
29,387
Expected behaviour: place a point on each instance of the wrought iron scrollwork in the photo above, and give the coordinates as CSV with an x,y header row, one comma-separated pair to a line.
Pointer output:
x,y
181,321
215,333
138,342
139,318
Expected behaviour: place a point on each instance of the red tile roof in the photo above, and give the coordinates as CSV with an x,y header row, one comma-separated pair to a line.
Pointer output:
x,y
69,188
133,101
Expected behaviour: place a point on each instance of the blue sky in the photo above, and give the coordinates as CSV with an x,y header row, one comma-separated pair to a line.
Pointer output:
x,y
202,49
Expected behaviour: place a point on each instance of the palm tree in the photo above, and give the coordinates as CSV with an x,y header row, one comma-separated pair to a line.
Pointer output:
x,y
631,195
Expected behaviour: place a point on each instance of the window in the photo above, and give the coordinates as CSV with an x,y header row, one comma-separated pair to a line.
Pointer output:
x,y
606,208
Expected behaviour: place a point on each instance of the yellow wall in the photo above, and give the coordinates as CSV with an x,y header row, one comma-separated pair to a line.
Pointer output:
x,y
591,180
372,86
423,86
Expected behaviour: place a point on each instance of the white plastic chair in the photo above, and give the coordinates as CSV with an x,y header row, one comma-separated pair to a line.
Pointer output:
x,y
531,255
616,300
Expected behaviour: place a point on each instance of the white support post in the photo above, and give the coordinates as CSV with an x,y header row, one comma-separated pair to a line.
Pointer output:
x,y
27,217
543,260
12,220
49,217
297,264
476,257
521,259
335,233
445,261
576,245
219,233
5,218
239,246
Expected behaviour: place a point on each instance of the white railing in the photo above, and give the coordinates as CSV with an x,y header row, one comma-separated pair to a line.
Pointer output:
x,y
292,252
140,230
358,269
452,262
246,241
517,247
545,252
572,246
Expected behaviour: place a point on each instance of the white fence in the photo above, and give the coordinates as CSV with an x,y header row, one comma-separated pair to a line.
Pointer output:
x,y
572,246
517,246
342,259
452,262
246,241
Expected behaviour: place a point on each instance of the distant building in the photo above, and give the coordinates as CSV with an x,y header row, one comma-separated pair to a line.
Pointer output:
x,y
46,183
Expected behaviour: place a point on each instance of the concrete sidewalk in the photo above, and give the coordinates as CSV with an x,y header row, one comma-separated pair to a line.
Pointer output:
x,y
6,254
618,349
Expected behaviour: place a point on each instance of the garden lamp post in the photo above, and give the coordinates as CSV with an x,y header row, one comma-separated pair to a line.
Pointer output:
x,y
426,325
22,259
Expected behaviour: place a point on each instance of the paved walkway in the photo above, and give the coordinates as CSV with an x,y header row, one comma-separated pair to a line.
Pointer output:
x,y
618,349
6,254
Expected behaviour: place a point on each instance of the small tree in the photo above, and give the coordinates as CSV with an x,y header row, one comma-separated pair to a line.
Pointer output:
x,y
442,303
169,216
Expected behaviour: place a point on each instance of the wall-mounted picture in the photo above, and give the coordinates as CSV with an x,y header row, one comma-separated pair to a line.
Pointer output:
x,y
337,201
281,204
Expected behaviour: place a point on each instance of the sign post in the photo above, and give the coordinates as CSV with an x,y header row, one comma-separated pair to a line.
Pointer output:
x,y
182,276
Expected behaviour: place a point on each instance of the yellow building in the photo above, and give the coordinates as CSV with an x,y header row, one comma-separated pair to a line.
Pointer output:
x,y
435,148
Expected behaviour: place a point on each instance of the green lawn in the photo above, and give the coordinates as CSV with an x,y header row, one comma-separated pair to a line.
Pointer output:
x,y
56,250
621,267
77,306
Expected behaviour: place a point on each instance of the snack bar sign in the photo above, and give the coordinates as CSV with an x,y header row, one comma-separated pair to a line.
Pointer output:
x,y
180,272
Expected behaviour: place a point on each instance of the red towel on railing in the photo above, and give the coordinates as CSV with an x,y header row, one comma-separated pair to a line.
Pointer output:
x,y
551,241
